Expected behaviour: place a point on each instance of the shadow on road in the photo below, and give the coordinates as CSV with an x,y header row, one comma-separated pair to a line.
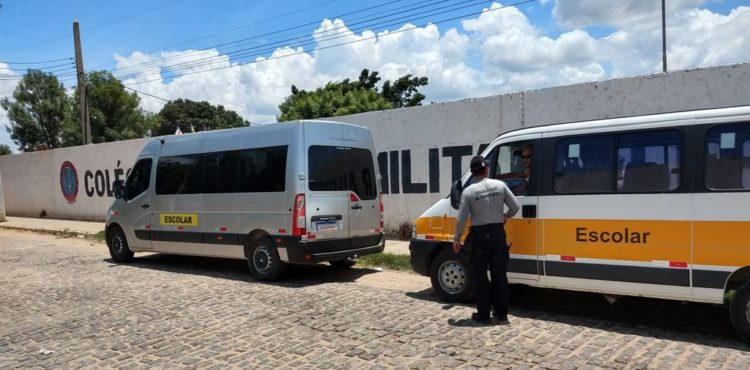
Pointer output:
x,y
296,275
690,322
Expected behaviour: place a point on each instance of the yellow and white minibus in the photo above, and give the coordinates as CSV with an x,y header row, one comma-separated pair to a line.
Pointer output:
x,y
654,206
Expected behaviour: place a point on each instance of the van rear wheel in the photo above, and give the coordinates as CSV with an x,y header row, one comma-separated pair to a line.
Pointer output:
x,y
452,277
739,311
118,246
263,260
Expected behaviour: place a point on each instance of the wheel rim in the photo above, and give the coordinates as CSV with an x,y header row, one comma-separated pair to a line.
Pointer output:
x,y
747,311
262,259
118,245
452,277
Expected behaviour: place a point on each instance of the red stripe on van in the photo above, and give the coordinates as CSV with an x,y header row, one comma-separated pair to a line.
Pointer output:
x,y
222,228
568,258
429,237
677,264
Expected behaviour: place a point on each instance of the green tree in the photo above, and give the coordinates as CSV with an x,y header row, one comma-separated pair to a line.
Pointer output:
x,y
5,149
403,92
349,97
114,114
37,111
200,116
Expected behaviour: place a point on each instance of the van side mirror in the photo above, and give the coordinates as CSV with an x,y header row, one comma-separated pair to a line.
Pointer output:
x,y
456,190
119,189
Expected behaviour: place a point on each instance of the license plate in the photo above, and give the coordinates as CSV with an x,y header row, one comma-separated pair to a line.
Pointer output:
x,y
326,226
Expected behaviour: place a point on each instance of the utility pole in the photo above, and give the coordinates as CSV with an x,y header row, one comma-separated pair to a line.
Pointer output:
x,y
85,124
663,38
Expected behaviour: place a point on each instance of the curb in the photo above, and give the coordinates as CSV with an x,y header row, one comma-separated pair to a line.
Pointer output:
x,y
66,233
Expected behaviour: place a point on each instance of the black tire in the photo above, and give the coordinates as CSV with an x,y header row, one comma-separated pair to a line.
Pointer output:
x,y
343,264
739,311
118,246
263,260
452,277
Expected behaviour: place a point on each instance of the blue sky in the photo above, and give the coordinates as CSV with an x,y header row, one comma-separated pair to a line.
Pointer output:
x,y
539,44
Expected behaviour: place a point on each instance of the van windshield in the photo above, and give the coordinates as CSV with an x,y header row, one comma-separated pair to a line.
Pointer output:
x,y
334,168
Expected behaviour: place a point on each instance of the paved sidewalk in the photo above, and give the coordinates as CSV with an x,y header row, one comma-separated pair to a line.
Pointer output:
x,y
89,228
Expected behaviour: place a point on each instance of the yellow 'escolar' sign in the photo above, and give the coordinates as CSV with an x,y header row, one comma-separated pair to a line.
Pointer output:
x,y
179,219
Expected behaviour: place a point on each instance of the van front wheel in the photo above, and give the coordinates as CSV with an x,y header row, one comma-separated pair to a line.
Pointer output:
x,y
452,277
263,260
118,246
739,311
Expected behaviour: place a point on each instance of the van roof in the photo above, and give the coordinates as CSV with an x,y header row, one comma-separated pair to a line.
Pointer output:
x,y
674,117
275,126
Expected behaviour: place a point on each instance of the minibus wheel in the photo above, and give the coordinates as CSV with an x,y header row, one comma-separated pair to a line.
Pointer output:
x,y
263,260
452,277
739,311
118,246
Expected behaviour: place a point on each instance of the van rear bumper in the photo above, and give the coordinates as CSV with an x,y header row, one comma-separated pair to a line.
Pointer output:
x,y
301,252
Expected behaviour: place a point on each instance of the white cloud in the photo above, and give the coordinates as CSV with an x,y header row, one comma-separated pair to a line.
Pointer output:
x,y
496,52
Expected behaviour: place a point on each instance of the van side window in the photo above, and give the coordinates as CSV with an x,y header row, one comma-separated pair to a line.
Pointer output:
x,y
649,161
728,157
220,172
139,178
514,163
584,164
263,170
179,174
338,169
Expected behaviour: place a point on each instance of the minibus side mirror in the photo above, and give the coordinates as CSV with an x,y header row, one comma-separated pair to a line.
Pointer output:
x,y
456,190
119,188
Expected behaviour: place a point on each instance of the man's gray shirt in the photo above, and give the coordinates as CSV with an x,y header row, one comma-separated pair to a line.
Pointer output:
x,y
484,201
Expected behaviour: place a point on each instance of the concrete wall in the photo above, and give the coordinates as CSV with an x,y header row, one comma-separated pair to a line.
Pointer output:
x,y
32,181
421,149
2,202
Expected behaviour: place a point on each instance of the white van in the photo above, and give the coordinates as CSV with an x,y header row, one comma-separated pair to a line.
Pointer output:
x,y
653,206
296,192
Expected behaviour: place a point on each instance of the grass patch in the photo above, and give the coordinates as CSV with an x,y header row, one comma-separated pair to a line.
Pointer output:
x,y
389,261
100,236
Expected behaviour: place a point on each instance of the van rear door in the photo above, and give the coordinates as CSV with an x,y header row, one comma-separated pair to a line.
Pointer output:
x,y
327,201
362,176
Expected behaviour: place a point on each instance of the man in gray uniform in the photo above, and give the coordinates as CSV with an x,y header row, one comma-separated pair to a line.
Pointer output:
x,y
483,200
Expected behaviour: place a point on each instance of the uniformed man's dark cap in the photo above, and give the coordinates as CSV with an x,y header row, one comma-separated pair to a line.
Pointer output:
x,y
478,164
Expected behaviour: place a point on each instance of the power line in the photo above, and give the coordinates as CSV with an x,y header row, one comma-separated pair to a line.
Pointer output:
x,y
345,43
94,27
38,62
156,61
310,39
39,68
147,94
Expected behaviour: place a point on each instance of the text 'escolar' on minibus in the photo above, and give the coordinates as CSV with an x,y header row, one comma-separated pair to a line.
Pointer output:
x,y
296,192
653,206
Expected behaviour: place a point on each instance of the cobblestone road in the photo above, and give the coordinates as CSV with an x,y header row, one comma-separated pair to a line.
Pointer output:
x,y
66,296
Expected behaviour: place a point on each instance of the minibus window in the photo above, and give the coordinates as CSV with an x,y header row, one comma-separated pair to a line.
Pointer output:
x,y
339,168
220,172
649,161
514,164
585,165
179,174
263,170
139,178
728,157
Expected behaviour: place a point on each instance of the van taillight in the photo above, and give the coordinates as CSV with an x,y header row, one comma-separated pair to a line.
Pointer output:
x,y
382,209
298,216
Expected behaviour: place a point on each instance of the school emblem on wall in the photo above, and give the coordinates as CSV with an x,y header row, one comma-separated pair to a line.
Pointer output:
x,y
69,181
